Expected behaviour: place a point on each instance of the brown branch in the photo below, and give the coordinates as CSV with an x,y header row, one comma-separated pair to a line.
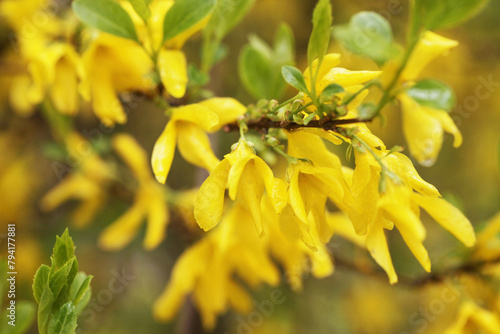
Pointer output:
x,y
264,124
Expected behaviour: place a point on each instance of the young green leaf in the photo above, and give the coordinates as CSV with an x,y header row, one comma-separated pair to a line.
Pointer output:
x,y
83,288
184,14
320,36
64,320
253,68
433,93
294,78
370,35
64,249
141,8
330,91
447,13
107,16
60,277
45,309
308,118
39,281
367,111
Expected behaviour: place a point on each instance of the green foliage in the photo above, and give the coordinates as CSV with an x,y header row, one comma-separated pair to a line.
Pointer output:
x,y
227,14
260,65
367,110
107,16
320,36
25,310
446,13
433,93
60,290
294,78
141,8
370,35
330,91
184,14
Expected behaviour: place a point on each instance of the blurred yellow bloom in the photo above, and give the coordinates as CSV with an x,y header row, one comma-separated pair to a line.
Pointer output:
x,y
150,202
187,128
488,242
113,65
208,268
471,313
246,176
88,183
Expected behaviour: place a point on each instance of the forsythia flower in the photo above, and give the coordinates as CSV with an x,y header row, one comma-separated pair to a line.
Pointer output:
x,y
246,176
351,81
398,205
207,270
423,126
187,127
150,202
87,184
488,243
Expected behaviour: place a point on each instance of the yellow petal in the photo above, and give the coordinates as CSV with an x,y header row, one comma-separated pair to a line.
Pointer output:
x,y
17,98
64,91
173,71
329,61
209,202
235,175
239,298
296,200
342,226
376,243
346,78
429,47
178,41
158,219
194,146
104,101
82,216
449,217
73,186
198,114
250,191
121,232
163,152
226,108
133,155
302,144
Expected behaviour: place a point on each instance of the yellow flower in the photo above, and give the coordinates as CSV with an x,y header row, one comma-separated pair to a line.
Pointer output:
x,y
423,128
312,183
484,320
113,65
246,176
208,270
328,73
87,184
488,244
172,64
150,202
187,127
398,205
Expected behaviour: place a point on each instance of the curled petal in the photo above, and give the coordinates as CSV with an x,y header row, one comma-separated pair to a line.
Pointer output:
x,y
194,146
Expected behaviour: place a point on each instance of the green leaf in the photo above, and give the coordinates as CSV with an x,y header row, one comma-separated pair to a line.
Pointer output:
x,y
107,16
370,35
226,15
40,280
294,78
60,278
433,93
331,90
253,69
320,36
447,13
63,295
45,309
64,320
141,8
184,14
64,248
367,111
308,118
84,287
196,77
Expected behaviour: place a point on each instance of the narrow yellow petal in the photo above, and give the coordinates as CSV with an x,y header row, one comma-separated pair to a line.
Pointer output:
x,y
226,108
104,101
376,243
158,218
250,191
173,71
121,232
133,155
209,202
235,175
449,217
239,299
329,61
194,146
346,78
64,91
163,152
198,114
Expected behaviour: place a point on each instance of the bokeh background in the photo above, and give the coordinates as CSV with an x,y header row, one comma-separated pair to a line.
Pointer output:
x,y
350,301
